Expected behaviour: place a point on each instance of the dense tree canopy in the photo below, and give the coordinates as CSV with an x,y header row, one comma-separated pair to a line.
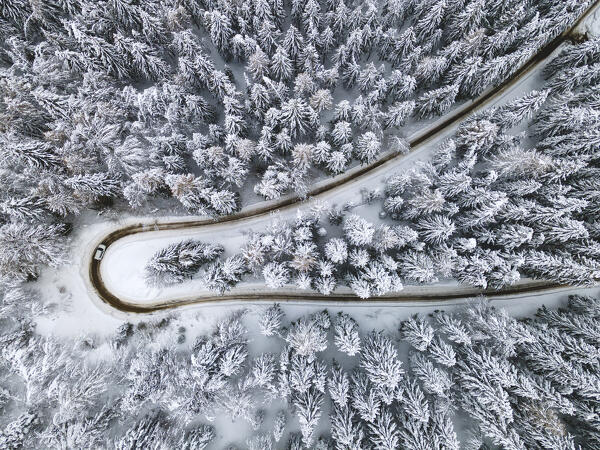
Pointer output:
x,y
142,101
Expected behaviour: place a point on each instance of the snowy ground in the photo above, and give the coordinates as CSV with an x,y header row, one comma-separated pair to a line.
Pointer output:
x,y
591,25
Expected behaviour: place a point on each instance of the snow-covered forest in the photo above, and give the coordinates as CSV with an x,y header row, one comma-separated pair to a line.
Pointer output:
x,y
114,112
198,101
512,194
475,378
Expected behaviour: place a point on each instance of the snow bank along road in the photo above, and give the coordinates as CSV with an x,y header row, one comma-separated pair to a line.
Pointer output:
x,y
336,184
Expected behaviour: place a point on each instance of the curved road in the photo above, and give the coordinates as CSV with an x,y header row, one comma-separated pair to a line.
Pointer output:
x,y
416,142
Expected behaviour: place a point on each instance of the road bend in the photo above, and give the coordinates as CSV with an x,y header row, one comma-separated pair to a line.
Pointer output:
x,y
417,143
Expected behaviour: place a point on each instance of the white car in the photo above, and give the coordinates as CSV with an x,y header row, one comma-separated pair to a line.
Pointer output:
x,y
99,252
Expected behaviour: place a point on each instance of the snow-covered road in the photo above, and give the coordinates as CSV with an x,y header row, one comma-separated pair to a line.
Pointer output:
x,y
121,270
122,267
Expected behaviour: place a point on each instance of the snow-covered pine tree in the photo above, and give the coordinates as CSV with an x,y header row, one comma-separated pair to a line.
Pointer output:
x,y
270,320
358,231
308,409
307,337
347,338
180,261
279,425
383,369
417,332
578,55
16,433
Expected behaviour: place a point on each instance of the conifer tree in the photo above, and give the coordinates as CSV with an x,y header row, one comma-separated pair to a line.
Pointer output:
x,y
347,338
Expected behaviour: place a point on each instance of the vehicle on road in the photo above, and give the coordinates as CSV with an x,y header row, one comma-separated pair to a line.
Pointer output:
x,y
99,252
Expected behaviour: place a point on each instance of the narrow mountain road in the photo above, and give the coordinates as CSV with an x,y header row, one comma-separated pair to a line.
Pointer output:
x,y
334,184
